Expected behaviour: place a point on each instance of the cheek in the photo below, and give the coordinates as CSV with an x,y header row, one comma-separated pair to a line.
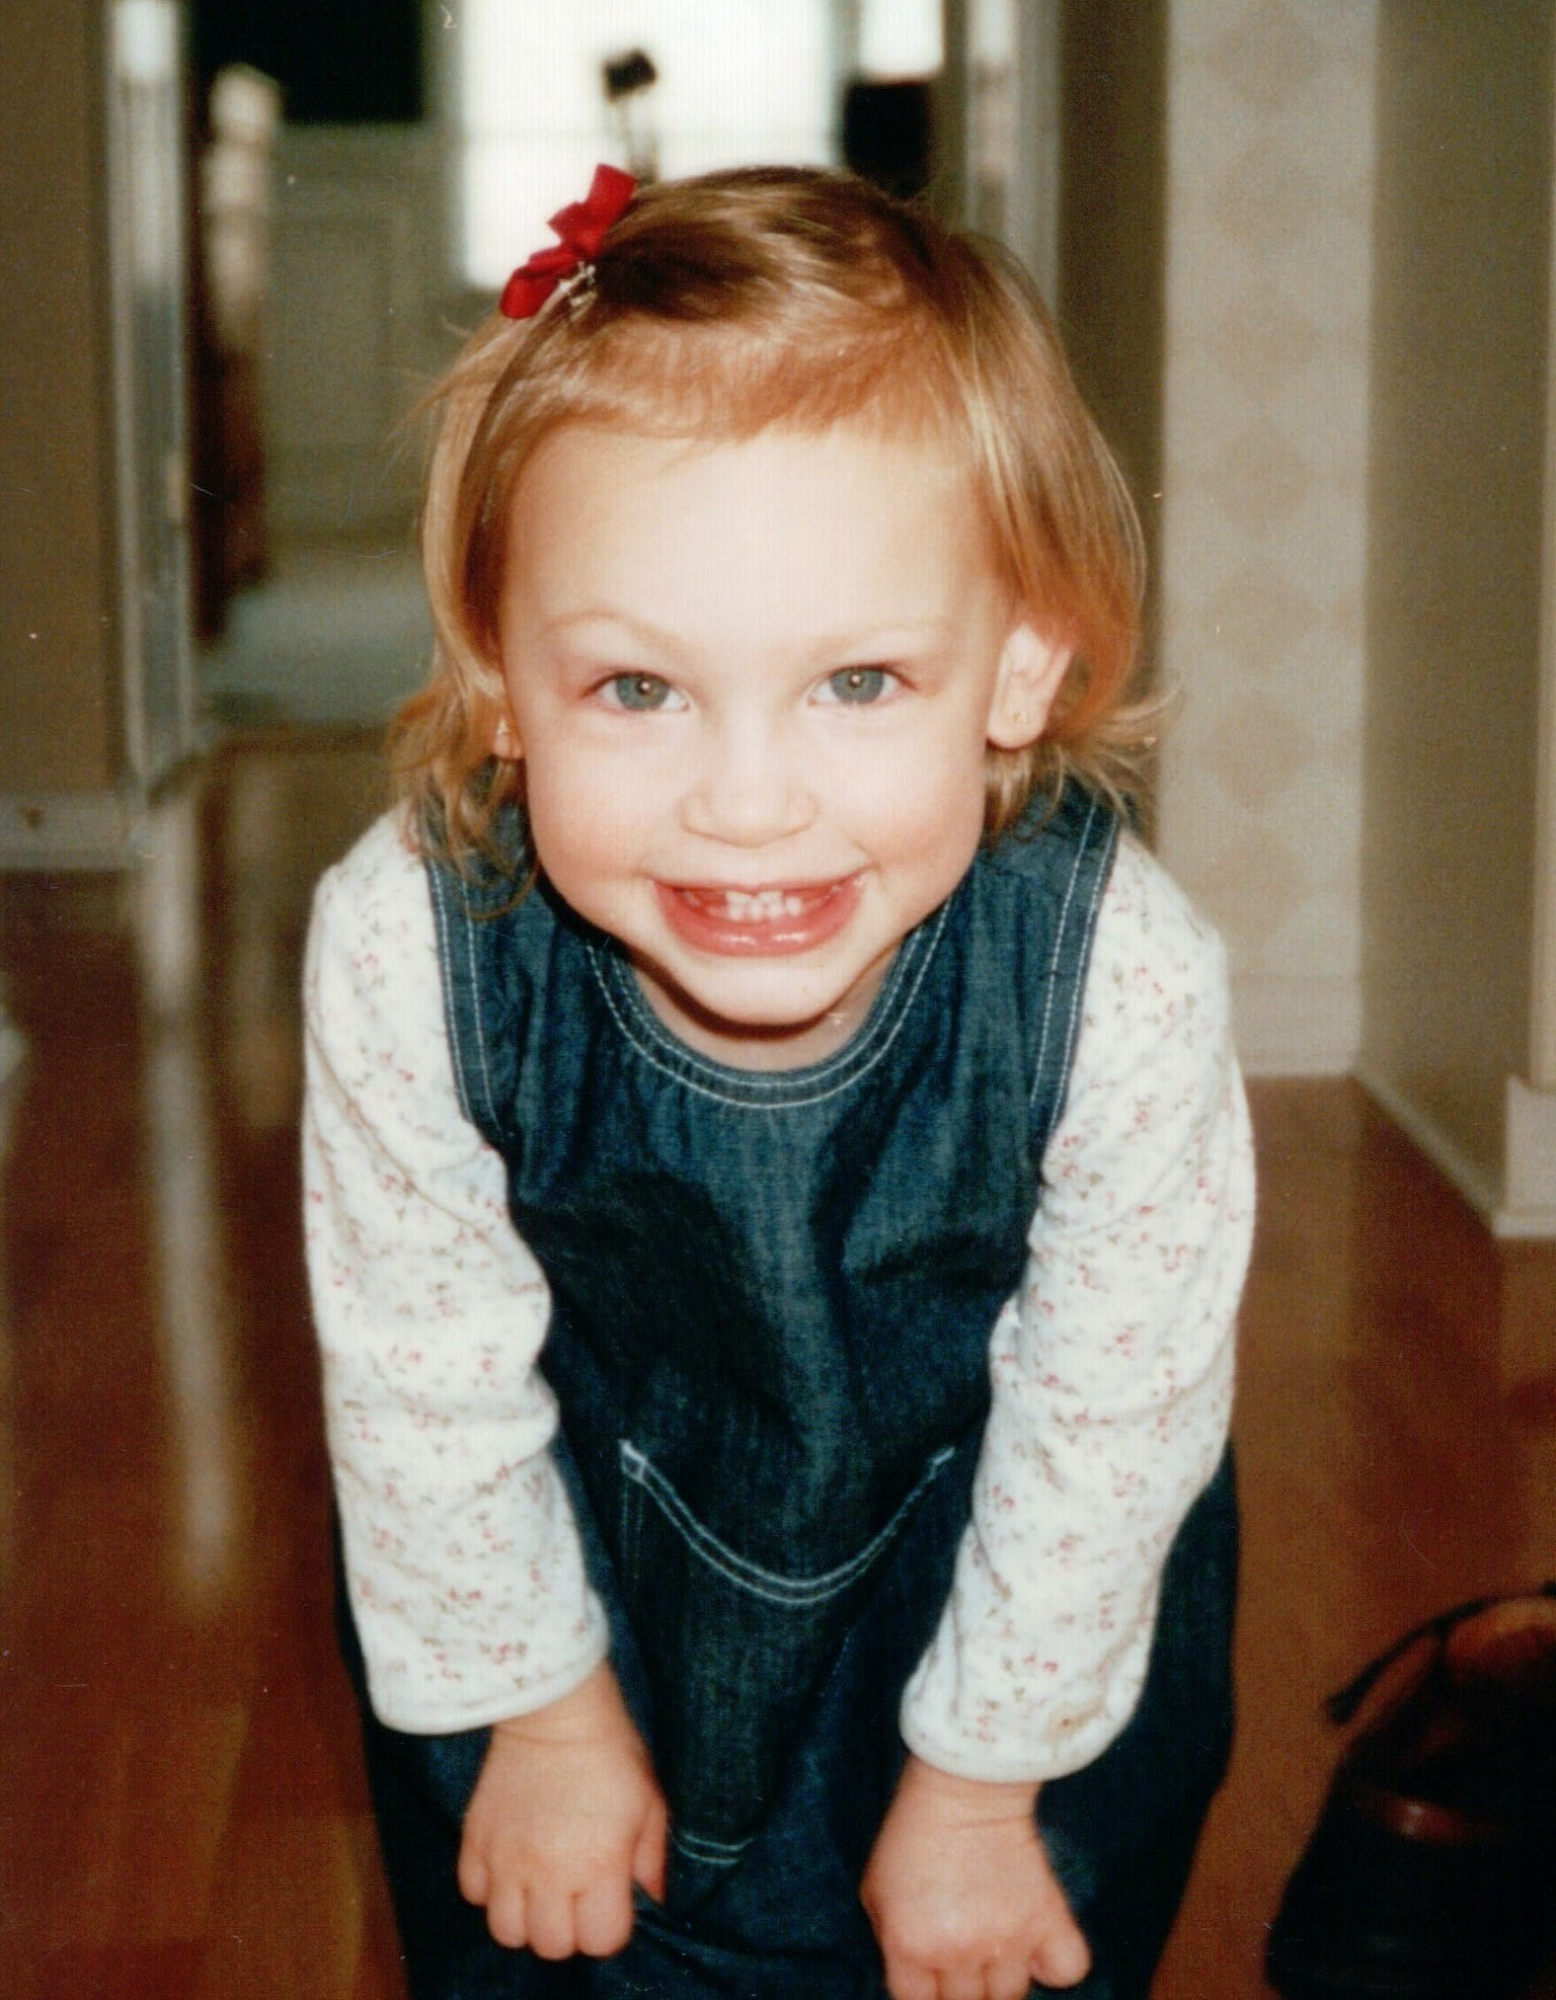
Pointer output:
x,y
927,815
578,828
943,778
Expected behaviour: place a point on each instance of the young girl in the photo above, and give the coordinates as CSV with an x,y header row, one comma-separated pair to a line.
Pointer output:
x,y
778,1179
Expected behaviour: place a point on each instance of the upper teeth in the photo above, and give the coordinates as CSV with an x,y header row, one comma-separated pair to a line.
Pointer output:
x,y
760,906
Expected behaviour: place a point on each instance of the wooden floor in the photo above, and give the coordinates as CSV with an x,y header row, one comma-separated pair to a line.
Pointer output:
x,y
180,1810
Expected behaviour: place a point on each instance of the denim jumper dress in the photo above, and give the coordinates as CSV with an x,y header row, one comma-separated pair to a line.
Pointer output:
x,y
772,1296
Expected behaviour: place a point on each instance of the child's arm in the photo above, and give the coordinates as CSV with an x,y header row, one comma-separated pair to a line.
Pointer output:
x,y
466,1573
1111,1374
961,1894
1111,1367
565,1817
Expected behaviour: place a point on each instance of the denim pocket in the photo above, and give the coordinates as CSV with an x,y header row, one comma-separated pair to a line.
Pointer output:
x,y
736,1651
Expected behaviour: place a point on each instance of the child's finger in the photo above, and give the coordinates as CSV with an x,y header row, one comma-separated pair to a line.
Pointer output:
x,y
475,1881
507,1914
964,1983
1063,1958
602,1917
648,1857
906,1979
549,1926
1009,1979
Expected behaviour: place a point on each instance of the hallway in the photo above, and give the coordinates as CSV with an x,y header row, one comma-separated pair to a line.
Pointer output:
x,y
336,635
181,1817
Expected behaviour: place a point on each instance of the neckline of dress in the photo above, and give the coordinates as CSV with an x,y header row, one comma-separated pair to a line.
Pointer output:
x,y
806,1083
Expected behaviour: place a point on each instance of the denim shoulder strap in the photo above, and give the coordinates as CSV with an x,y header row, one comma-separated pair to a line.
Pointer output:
x,y
496,943
1063,853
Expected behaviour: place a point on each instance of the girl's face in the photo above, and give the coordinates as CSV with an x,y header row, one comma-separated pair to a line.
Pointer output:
x,y
752,685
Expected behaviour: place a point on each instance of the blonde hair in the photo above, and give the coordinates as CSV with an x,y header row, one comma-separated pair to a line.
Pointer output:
x,y
801,298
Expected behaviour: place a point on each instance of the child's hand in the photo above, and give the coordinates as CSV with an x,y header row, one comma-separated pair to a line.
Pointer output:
x,y
566,1815
964,1903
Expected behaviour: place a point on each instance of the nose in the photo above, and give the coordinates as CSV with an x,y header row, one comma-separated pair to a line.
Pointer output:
x,y
750,788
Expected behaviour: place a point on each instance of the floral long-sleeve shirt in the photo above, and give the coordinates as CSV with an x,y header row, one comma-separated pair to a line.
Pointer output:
x,y
1111,1366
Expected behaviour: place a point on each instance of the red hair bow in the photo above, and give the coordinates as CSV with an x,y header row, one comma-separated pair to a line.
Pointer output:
x,y
582,228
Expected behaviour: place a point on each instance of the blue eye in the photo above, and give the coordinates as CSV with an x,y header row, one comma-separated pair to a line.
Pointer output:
x,y
641,693
857,685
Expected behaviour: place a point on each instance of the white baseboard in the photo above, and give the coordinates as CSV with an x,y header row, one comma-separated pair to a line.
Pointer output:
x,y
1479,1186
1528,1205
12,1049
1522,1204
1296,1027
75,830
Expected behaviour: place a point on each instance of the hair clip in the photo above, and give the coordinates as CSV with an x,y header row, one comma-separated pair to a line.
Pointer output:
x,y
582,228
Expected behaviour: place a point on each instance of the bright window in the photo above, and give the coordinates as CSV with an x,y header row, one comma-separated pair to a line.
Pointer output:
x,y
899,38
739,81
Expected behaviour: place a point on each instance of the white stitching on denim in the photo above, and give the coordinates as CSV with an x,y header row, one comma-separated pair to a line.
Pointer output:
x,y
441,891
1078,990
440,916
718,1853
480,1025
1061,934
652,1044
751,1577
780,1079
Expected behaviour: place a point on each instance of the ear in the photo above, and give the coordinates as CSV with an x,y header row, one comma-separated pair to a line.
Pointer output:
x,y
1031,672
506,747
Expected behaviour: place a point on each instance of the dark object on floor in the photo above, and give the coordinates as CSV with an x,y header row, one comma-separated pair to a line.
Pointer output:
x,y
1431,1874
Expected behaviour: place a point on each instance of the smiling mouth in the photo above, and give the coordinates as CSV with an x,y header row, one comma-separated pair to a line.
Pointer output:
x,y
756,906
787,918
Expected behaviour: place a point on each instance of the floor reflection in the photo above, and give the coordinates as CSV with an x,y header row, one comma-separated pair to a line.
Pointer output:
x,y
13,1049
194,1318
10,1091
180,1812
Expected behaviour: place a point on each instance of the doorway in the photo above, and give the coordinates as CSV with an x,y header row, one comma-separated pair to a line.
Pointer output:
x,y
418,152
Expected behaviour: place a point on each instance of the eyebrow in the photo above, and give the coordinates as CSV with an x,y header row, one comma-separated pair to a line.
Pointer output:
x,y
864,638
592,614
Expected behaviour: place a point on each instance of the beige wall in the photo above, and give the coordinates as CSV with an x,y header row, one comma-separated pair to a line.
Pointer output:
x,y
58,649
1269,190
1355,443
1458,435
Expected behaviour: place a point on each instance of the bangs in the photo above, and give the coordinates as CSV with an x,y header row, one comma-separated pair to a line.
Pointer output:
x,y
790,360
660,378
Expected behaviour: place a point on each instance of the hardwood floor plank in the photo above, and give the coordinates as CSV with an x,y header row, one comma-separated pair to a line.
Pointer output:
x,y
1388,1471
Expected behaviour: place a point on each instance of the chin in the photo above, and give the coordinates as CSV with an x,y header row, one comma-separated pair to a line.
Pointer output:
x,y
755,1004
759,1013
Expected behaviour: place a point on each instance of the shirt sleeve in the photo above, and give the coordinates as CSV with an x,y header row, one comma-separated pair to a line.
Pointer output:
x,y
463,1558
1111,1368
